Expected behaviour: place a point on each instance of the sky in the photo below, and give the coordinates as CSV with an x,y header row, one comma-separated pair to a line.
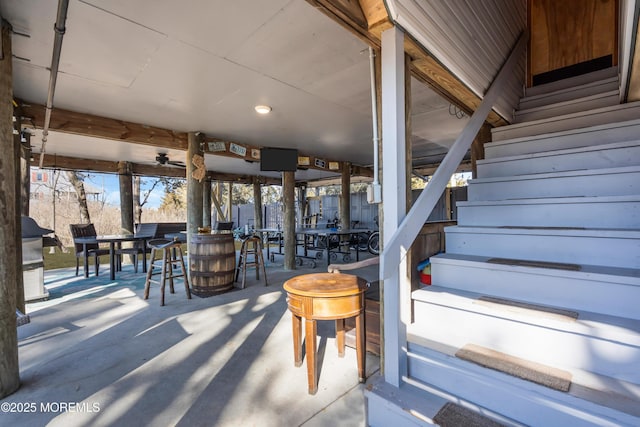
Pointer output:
x,y
111,186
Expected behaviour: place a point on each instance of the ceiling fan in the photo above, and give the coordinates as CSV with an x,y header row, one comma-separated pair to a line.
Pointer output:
x,y
163,160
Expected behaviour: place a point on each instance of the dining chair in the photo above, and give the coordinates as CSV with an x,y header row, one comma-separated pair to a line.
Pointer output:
x,y
93,249
139,247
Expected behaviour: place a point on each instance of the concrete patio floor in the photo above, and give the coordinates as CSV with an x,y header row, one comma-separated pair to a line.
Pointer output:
x,y
115,359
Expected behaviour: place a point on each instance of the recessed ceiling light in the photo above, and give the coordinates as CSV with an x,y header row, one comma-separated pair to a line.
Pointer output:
x,y
263,109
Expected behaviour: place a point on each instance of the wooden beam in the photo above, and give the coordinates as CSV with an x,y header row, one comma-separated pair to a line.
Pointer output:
x,y
375,13
102,127
54,161
345,13
119,130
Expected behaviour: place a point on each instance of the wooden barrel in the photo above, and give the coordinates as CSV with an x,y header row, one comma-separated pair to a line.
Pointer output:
x,y
212,263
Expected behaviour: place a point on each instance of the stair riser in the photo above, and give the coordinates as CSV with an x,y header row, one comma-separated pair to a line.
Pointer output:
x,y
587,215
619,132
574,107
566,95
610,184
551,346
527,403
582,292
572,82
563,123
587,159
551,247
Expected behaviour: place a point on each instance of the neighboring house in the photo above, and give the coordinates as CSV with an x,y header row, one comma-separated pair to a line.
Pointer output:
x,y
533,315
43,182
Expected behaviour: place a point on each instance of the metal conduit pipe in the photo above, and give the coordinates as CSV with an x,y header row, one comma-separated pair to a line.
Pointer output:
x,y
59,29
374,192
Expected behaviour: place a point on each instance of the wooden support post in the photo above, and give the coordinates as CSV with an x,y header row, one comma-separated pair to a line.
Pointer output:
x,y
289,226
194,187
126,197
345,196
25,168
230,203
22,202
9,270
206,203
257,203
477,147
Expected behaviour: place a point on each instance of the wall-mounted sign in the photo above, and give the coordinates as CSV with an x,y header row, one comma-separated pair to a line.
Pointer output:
x,y
255,153
304,160
237,149
320,163
334,166
216,146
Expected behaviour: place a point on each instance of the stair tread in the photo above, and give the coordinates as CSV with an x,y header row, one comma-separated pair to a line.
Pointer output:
x,y
568,102
622,275
556,134
601,390
564,117
593,84
559,174
620,328
621,233
573,82
564,151
551,200
423,404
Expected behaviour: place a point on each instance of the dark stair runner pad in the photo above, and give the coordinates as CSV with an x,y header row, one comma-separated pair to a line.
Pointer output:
x,y
538,264
454,415
538,373
527,308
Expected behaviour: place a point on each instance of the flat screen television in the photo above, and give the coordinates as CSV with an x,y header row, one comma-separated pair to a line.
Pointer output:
x,y
278,159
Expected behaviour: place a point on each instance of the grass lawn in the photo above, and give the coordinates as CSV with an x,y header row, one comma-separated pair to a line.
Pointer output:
x,y
63,260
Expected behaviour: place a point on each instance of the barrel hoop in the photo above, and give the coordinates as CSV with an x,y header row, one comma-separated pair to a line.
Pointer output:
x,y
212,273
207,292
212,257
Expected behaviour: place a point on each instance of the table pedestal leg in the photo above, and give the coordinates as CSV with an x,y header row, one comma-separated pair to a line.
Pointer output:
x,y
360,345
296,322
310,347
340,336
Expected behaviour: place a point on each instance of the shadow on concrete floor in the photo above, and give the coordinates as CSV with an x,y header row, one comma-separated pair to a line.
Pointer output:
x,y
96,353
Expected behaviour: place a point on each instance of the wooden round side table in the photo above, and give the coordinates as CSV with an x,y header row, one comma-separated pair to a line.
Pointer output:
x,y
325,296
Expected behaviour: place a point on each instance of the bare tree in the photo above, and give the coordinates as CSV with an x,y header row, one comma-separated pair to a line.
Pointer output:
x,y
76,180
137,204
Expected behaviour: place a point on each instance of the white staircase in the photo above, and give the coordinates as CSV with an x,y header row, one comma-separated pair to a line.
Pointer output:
x,y
542,271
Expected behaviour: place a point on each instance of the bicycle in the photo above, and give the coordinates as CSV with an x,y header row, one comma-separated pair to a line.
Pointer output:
x,y
373,243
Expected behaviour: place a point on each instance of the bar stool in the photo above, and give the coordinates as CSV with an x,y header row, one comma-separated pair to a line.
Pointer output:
x,y
251,247
171,257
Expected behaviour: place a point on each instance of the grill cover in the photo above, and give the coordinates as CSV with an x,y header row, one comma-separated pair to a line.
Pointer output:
x,y
30,228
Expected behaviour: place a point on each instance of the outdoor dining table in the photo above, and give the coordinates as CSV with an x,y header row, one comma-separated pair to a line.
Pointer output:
x,y
112,239
327,233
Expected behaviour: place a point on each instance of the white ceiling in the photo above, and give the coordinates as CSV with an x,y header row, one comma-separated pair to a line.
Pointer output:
x,y
202,65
